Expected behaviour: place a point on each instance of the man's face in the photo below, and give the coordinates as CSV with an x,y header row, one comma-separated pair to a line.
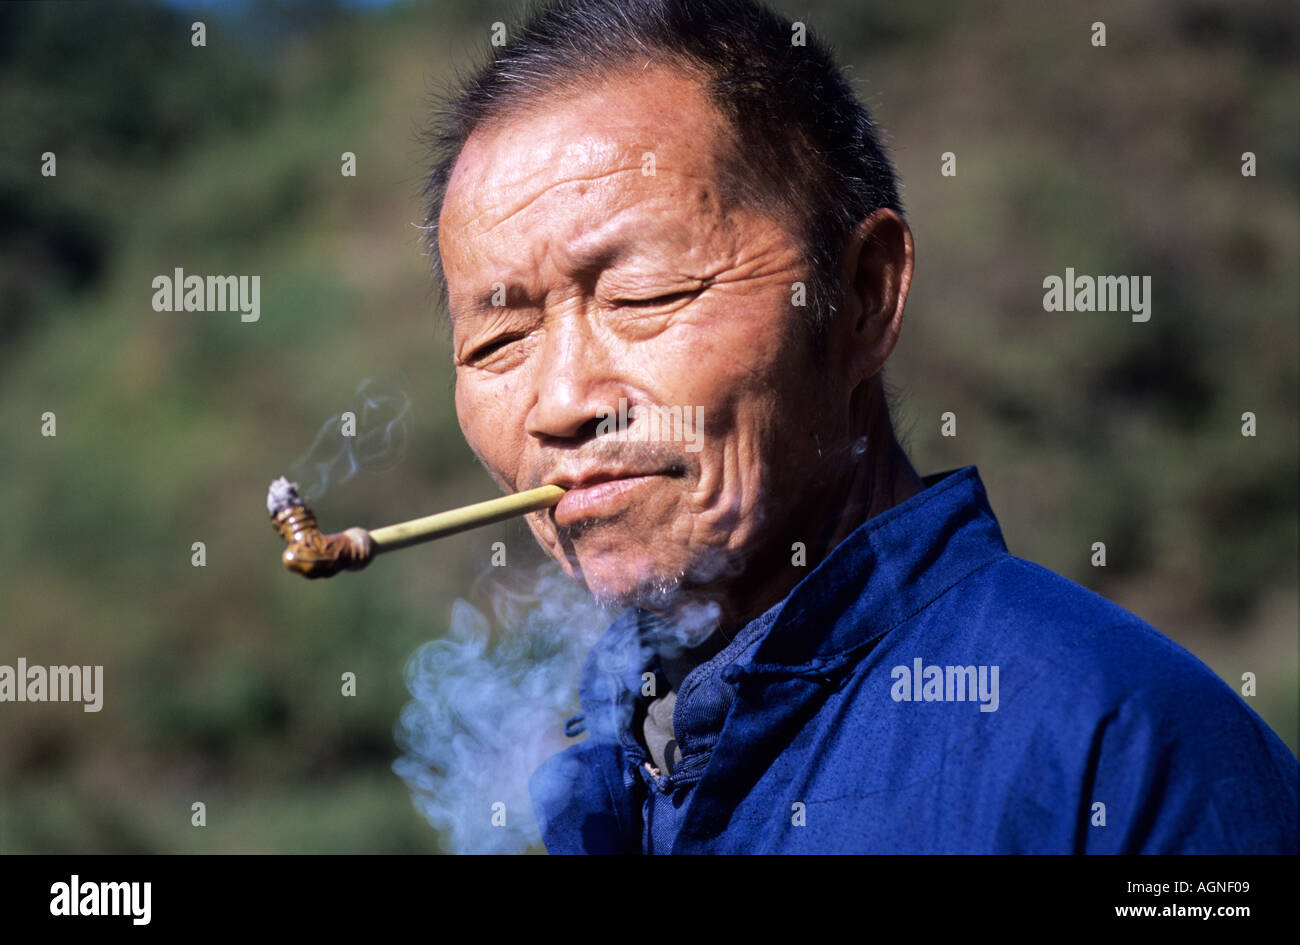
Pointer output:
x,y
626,275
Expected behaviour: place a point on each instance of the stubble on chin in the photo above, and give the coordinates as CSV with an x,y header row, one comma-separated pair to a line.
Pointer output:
x,y
657,594
655,589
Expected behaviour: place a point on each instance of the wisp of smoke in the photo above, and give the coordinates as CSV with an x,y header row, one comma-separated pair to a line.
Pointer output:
x,y
373,440
488,707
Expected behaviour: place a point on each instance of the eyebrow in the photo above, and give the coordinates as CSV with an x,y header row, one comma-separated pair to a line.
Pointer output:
x,y
593,259
591,253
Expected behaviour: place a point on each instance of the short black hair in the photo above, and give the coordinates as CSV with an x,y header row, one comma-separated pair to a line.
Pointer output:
x,y
805,150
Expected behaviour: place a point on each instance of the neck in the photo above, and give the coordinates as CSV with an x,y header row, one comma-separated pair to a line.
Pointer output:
x,y
881,481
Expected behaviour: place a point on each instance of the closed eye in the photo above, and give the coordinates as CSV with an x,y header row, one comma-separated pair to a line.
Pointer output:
x,y
491,347
659,300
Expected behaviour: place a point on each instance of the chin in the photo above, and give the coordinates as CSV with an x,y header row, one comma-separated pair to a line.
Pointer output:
x,y
649,590
655,595
621,566
625,580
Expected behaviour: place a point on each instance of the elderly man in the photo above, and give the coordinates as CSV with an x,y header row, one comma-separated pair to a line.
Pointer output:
x,y
678,209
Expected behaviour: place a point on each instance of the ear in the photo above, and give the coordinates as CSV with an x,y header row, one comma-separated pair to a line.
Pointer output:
x,y
876,273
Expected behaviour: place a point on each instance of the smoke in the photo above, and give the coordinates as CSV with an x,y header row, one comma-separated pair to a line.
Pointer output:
x,y
490,698
687,626
370,435
489,701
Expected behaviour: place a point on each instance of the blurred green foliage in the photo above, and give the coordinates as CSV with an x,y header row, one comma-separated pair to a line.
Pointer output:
x,y
222,682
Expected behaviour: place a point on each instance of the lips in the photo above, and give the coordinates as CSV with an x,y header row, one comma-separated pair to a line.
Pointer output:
x,y
599,494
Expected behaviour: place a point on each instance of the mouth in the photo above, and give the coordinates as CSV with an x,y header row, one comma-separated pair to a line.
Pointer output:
x,y
600,494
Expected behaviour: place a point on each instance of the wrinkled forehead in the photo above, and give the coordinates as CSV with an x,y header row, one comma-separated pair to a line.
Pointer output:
x,y
631,138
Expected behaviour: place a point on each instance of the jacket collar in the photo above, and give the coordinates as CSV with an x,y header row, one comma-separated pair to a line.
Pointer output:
x,y
889,569
885,571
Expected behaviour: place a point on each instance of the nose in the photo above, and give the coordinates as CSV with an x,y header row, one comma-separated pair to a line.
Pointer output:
x,y
575,382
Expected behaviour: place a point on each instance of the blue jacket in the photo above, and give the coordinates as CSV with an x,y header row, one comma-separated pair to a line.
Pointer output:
x,y
924,691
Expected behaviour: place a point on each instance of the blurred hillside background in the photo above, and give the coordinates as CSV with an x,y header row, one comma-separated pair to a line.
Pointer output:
x,y
223,682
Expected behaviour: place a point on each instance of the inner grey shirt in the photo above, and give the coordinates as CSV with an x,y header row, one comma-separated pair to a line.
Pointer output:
x,y
692,669
657,731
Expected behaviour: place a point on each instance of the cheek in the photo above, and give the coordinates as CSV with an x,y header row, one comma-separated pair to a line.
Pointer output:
x,y
742,371
737,467
729,354
483,409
